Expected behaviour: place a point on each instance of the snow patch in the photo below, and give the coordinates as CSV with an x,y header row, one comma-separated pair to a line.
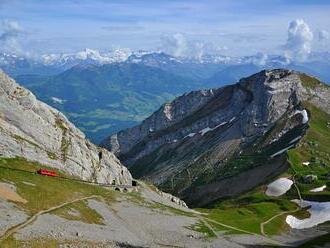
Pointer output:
x,y
208,129
319,189
320,213
281,151
295,139
190,135
279,187
58,100
304,115
205,130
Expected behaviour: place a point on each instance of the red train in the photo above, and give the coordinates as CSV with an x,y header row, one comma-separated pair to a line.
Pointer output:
x,y
45,172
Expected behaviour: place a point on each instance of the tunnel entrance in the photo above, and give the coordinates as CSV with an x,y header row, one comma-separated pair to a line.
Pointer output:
x,y
100,155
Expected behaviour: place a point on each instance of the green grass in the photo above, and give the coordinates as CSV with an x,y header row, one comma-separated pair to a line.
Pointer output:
x,y
309,82
85,213
277,226
202,228
65,142
21,139
37,243
50,243
164,208
52,155
314,147
248,211
136,197
48,191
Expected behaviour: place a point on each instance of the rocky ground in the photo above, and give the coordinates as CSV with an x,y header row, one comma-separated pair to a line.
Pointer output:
x,y
137,219
142,219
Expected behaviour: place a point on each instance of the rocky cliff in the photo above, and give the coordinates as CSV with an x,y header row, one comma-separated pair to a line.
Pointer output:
x,y
220,142
37,132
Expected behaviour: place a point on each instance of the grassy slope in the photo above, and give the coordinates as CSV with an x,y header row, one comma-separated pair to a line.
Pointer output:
x,y
49,191
313,148
248,211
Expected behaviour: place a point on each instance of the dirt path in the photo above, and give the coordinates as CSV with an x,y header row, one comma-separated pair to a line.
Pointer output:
x,y
262,225
243,231
35,216
208,226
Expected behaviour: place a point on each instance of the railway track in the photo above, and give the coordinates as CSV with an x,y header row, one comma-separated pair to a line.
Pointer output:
x,y
122,186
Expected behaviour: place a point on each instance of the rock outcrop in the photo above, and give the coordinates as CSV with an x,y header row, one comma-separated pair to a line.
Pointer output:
x,y
33,130
205,138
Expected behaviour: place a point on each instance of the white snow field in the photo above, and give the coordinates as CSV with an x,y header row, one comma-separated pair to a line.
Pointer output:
x,y
319,189
279,187
320,213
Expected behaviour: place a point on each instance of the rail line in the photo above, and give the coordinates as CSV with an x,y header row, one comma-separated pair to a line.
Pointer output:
x,y
72,179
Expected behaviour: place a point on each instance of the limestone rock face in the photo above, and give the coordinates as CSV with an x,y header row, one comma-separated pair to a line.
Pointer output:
x,y
257,102
33,130
189,142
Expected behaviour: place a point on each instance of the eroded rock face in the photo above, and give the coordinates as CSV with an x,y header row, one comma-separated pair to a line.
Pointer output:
x,y
188,143
33,130
257,100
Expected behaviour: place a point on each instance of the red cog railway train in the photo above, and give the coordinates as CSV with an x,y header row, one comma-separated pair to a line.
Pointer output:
x,y
45,172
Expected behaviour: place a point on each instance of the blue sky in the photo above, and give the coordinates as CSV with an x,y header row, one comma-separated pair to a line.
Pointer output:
x,y
228,27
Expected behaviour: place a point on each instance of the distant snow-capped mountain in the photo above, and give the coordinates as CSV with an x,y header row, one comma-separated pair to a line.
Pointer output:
x,y
49,64
86,56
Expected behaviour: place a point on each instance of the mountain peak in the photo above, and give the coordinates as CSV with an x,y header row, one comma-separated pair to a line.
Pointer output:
x,y
208,127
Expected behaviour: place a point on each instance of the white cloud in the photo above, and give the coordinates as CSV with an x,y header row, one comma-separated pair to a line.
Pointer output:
x,y
299,42
179,46
175,45
259,59
9,34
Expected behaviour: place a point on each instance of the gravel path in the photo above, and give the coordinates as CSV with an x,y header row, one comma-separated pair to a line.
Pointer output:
x,y
34,217
131,223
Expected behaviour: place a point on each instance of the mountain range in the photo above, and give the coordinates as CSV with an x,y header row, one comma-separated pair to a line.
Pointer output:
x,y
252,156
125,87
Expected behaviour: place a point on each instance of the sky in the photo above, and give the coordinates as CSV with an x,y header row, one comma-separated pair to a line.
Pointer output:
x,y
179,27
